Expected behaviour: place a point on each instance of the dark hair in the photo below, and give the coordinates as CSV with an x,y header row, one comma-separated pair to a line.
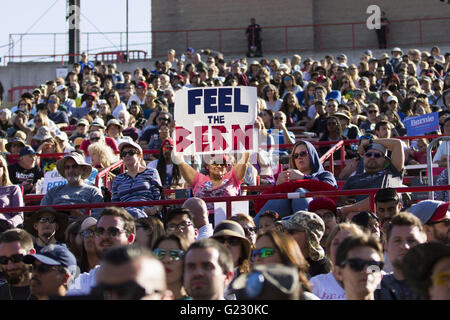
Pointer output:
x,y
161,167
175,212
157,226
182,242
225,259
16,234
5,225
355,242
127,218
404,219
386,195
381,123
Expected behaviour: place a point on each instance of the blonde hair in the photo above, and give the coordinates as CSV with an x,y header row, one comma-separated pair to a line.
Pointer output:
x,y
5,177
107,156
3,143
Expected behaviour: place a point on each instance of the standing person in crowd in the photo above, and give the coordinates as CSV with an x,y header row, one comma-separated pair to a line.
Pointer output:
x,y
54,268
170,250
326,286
307,229
14,245
138,183
253,33
359,261
208,270
148,230
115,227
404,232
426,268
10,196
131,273
47,226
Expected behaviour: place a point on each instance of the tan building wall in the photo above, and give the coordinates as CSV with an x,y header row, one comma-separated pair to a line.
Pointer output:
x,y
234,16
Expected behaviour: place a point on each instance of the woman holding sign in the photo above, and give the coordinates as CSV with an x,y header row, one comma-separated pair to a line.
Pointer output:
x,y
220,180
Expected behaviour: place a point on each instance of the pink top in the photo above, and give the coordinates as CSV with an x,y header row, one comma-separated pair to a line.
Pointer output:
x,y
203,188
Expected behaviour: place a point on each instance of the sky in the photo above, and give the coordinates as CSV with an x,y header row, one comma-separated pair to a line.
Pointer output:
x,y
96,16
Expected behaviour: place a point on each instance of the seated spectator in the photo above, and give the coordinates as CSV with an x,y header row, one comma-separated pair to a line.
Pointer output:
x,y
325,208
326,286
267,117
81,130
10,196
72,237
74,168
26,172
440,156
98,136
280,133
148,230
89,104
200,215
295,114
271,98
334,132
353,257
88,257
5,117
181,221
368,221
304,165
348,129
13,146
59,117
267,221
48,146
128,122
426,268
136,111
247,223
155,120
47,226
220,180
63,141
168,172
104,111
307,229
138,183
114,130
19,122
170,250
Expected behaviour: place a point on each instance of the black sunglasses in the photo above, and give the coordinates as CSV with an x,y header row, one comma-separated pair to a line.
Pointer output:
x,y
95,139
45,219
301,154
131,153
111,231
232,241
372,111
376,155
278,118
357,264
15,258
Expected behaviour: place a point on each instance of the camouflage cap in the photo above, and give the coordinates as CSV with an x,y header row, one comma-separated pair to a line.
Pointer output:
x,y
314,227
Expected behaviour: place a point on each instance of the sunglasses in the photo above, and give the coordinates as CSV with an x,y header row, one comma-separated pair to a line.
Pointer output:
x,y
131,153
174,255
278,118
95,139
164,119
129,290
372,111
250,230
446,222
43,268
263,253
49,220
301,154
219,164
111,231
87,233
73,166
357,264
441,279
15,258
232,241
376,155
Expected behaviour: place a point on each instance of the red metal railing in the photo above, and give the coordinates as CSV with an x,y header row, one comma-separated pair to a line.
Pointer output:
x,y
20,89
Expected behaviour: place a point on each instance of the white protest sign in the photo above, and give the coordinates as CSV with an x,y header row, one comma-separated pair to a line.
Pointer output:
x,y
215,120
52,179
61,72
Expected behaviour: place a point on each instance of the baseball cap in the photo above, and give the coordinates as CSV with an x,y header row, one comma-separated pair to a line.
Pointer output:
x,y
83,121
378,147
430,210
53,255
26,150
322,203
60,87
87,223
90,94
391,98
141,85
342,56
130,143
268,282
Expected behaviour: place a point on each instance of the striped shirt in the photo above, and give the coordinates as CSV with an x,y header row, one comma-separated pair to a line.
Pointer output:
x,y
146,186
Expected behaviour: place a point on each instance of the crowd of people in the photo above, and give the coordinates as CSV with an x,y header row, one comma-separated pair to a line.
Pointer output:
x,y
315,248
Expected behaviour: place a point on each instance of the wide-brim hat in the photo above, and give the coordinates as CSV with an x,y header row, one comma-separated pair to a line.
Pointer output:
x,y
62,221
79,159
114,122
43,133
341,114
233,229
16,140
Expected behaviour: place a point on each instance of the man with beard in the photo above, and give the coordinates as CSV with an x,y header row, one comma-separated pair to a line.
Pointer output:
x,y
53,269
115,227
14,245
435,216
403,233
380,171
208,270
47,226
74,168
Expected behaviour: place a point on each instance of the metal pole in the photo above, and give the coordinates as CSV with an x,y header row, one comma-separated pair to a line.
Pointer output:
x,y
127,58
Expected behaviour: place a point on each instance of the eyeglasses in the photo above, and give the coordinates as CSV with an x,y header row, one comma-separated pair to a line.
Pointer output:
x,y
174,227
232,241
219,164
15,258
174,255
94,139
47,220
445,221
441,279
129,290
73,166
131,153
376,155
164,119
357,264
111,231
372,111
43,268
301,154
263,253
278,118
87,233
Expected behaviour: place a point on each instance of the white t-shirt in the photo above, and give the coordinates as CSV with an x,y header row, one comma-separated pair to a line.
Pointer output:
x,y
119,108
441,151
325,287
276,107
83,284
